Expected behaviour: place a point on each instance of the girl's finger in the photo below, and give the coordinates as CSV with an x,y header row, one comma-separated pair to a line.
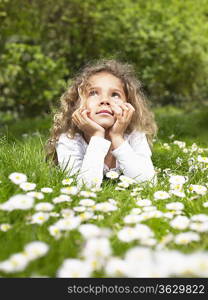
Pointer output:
x,y
130,106
81,108
85,115
81,118
125,107
116,109
75,122
117,102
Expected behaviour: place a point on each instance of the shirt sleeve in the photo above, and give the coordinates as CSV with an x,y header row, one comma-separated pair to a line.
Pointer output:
x,y
134,157
88,165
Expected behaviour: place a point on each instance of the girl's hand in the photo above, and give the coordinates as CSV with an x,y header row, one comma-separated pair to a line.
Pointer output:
x,y
85,124
123,113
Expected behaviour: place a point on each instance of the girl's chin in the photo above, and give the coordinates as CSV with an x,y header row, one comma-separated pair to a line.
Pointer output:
x,y
105,123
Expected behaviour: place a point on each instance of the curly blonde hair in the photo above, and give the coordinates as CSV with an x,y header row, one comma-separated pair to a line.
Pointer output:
x,y
142,120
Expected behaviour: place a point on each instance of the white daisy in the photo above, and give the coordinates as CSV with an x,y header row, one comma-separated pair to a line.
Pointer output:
x,y
202,159
149,242
39,218
112,175
130,219
165,240
54,231
166,146
105,207
35,249
194,147
177,179
117,188
198,226
138,254
5,227
88,194
180,222
71,190
178,193
47,190
67,181
175,206
27,186
67,212
62,198
144,231
18,178
79,208
87,202
96,263
185,238
135,211
199,218
199,189
180,144
116,267
74,268
123,184
97,247
112,201
68,223
161,195
19,201
144,202
127,179
16,263
35,194
54,214
44,206
87,215
89,230
171,136
127,234
179,161
149,208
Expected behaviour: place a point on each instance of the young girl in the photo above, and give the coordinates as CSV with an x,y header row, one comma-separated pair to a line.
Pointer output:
x,y
103,124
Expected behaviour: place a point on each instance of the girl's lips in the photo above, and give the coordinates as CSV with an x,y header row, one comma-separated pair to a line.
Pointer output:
x,y
105,112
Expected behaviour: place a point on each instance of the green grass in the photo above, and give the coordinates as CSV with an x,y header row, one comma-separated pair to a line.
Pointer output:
x,y
25,154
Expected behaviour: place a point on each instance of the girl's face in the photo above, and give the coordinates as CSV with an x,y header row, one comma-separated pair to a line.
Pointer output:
x,y
103,89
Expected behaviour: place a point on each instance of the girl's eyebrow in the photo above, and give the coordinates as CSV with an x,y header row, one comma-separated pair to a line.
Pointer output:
x,y
112,89
93,87
117,90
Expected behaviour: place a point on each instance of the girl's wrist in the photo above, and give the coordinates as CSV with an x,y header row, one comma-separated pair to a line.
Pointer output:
x,y
99,133
117,141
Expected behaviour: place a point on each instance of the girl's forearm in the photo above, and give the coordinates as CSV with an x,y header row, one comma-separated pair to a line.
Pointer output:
x,y
116,141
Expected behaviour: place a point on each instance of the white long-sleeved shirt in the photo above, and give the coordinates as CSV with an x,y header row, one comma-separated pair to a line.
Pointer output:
x,y
133,157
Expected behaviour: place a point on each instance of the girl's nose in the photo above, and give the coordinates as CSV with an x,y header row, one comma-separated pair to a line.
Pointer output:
x,y
105,101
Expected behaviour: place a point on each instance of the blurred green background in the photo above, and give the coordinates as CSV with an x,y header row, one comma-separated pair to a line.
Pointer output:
x,y
44,43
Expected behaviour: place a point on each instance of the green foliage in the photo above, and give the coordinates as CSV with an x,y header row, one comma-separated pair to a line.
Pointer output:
x,y
25,154
166,41
31,80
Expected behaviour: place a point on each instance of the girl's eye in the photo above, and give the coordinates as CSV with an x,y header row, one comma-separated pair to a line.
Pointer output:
x,y
92,93
116,95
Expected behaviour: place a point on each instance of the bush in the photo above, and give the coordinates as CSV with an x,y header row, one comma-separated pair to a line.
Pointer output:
x,y
30,80
166,41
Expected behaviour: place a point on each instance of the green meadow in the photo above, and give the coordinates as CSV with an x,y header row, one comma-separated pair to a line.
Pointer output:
x,y
22,150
